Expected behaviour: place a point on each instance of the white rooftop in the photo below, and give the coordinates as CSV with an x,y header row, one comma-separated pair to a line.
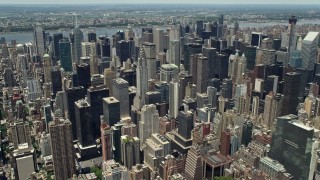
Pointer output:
x,y
311,36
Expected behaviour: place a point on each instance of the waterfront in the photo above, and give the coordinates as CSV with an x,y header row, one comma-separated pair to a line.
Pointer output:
x,y
23,37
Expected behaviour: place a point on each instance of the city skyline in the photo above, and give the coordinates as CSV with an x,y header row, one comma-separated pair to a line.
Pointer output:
x,y
70,2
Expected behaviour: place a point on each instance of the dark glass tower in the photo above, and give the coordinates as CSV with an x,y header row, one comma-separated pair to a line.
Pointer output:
x,y
291,93
95,96
190,49
92,36
123,50
56,51
65,55
292,146
56,80
83,72
73,94
247,133
84,123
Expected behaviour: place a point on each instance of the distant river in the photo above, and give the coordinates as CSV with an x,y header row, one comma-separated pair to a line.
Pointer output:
x,y
23,37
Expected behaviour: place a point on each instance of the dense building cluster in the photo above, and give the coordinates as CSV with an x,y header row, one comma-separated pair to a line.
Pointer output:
x,y
174,103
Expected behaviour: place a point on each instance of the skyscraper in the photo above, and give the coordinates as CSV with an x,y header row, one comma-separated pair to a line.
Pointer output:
x,y
84,123
62,148
65,55
174,55
150,53
149,123
106,141
173,99
91,36
76,45
111,110
47,68
73,94
309,50
83,73
202,74
95,95
291,93
142,80
39,40
56,49
291,32
169,72
121,93
158,36
291,145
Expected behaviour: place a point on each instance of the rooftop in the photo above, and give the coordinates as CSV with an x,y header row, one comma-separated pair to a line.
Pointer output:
x,y
311,36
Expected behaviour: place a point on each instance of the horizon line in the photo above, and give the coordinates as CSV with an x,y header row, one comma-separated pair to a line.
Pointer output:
x,y
157,3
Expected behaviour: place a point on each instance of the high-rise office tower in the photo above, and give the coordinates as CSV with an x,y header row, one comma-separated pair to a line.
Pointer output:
x,y
39,40
265,56
256,38
149,123
104,47
185,124
122,50
247,132
199,28
292,42
8,78
173,99
190,49
76,45
212,96
156,148
62,148
237,67
150,53
158,36
290,143
225,142
56,50
47,68
56,81
121,93
111,110
109,75
83,73
20,134
220,31
88,49
202,74
226,88
291,93
273,105
271,84
106,141
130,146
168,72
142,80
91,36
94,65
210,53
95,95
309,50
65,55
72,95
23,162
174,55
84,123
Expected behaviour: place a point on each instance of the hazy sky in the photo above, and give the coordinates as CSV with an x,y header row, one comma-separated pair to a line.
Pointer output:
x,y
160,1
